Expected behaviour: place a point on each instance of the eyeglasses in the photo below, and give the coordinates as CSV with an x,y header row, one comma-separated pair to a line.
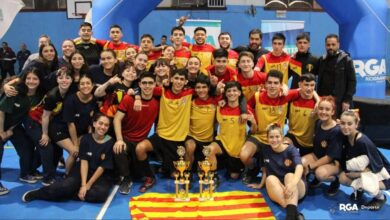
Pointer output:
x,y
147,83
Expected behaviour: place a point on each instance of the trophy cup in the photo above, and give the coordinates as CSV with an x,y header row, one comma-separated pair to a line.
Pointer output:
x,y
181,178
205,177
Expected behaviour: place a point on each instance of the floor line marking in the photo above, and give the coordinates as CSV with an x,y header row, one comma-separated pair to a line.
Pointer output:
x,y
107,203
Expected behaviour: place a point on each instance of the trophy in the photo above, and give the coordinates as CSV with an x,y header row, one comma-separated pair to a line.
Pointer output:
x,y
206,177
181,178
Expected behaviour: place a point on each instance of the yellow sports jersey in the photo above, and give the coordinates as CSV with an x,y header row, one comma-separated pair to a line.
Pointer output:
x,y
301,121
232,58
251,85
270,110
204,53
152,57
174,116
181,57
269,62
232,133
202,119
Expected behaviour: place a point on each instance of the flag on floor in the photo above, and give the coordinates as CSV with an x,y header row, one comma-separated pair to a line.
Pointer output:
x,y
226,205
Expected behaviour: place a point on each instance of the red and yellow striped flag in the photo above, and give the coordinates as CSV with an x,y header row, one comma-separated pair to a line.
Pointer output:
x,y
226,205
296,66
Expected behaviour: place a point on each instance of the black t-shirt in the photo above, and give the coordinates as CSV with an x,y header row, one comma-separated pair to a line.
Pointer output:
x,y
97,154
16,108
79,113
54,102
329,77
90,51
97,74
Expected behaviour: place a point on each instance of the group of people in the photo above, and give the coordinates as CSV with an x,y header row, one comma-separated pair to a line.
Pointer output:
x,y
101,98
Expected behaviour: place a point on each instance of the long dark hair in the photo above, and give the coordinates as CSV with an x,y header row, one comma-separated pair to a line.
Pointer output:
x,y
54,63
21,85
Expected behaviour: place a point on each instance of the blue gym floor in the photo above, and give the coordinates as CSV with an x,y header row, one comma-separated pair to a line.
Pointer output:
x,y
315,206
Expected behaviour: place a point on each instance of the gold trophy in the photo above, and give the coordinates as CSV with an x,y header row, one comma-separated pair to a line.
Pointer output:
x,y
181,178
206,177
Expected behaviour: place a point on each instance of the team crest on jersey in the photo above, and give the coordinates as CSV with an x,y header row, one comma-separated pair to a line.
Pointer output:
x,y
285,65
324,144
287,162
309,67
103,156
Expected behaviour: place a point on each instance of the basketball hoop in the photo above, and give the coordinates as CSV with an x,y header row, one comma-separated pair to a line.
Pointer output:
x,y
80,15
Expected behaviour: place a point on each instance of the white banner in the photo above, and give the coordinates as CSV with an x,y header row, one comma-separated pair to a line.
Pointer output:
x,y
8,11
213,28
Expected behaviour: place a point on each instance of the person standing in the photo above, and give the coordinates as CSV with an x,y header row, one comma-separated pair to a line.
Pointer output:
x,y
336,74
201,49
255,40
86,46
7,60
22,56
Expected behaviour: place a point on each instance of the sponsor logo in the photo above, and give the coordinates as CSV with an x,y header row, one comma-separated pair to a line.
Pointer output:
x,y
371,70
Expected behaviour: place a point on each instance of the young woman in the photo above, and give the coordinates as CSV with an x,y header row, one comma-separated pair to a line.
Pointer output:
x,y
140,62
88,181
232,133
365,167
46,63
162,70
12,111
130,55
108,68
283,173
327,147
53,124
115,89
78,110
193,70
167,54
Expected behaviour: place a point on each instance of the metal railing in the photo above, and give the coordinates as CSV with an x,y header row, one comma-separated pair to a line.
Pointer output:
x,y
216,3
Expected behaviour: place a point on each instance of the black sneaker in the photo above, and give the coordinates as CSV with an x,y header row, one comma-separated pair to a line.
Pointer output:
x,y
37,175
48,182
148,183
250,175
376,204
61,163
29,196
28,179
3,190
356,196
125,185
333,188
314,183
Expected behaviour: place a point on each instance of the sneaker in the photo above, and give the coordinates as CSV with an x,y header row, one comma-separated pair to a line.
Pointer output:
x,y
48,182
250,175
28,179
29,195
3,190
333,188
61,163
376,204
125,185
148,183
356,196
37,175
314,183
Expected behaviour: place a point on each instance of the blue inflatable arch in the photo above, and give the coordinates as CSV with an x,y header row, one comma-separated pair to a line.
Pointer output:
x,y
361,24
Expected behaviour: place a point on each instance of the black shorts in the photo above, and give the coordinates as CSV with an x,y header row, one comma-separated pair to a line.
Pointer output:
x,y
198,154
167,149
302,149
256,142
58,131
232,164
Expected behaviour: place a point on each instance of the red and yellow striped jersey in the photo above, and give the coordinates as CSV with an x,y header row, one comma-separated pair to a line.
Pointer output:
x,y
270,110
301,121
204,53
233,58
202,119
120,49
181,57
229,75
251,85
152,57
269,62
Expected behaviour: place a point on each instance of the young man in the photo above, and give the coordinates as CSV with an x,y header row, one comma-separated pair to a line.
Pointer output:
x,y
277,59
182,53
302,61
147,42
254,47
22,56
7,61
116,43
269,108
225,41
220,68
172,127
86,46
202,50
132,127
301,118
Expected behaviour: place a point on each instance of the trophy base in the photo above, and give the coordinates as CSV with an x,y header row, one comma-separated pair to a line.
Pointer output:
x,y
206,199
182,199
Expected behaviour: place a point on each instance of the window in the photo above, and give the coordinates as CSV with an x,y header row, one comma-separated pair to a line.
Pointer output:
x,y
300,5
44,5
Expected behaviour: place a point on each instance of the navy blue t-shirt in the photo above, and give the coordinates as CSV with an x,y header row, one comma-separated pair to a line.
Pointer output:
x,y
97,154
79,113
280,163
328,142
